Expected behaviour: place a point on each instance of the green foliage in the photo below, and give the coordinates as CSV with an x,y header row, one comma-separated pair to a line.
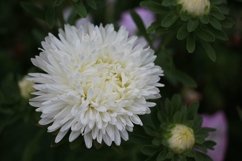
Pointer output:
x,y
140,25
172,112
194,30
51,12
240,112
172,73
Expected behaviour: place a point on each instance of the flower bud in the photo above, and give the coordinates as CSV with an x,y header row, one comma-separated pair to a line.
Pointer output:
x,y
181,138
195,7
26,87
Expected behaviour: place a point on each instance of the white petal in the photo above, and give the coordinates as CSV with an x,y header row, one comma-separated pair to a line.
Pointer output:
x,y
88,140
74,135
60,136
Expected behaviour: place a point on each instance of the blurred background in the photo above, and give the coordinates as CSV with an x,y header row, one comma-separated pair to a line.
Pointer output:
x,y
24,24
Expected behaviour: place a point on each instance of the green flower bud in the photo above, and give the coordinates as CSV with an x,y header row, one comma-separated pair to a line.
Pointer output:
x,y
195,7
26,87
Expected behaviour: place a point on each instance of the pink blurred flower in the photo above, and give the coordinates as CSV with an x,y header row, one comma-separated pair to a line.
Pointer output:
x,y
126,20
219,122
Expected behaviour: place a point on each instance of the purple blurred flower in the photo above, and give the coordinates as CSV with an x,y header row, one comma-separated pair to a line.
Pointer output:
x,y
126,20
219,122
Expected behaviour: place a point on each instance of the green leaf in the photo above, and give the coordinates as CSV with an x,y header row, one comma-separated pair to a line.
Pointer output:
x,y
221,35
192,25
80,9
202,157
185,79
58,2
50,16
215,23
138,21
204,19
205,35
197,123
228,23
153,6
92,4
218,1
184,16
168,3
191,44
32,9
32,147
169,20
140,25
153,27
192,111
182,32
209,144
149,149
240,112
217,13
164,154
209,51
176,102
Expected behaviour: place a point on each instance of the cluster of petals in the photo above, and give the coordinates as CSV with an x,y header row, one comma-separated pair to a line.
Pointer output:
x,y
95,83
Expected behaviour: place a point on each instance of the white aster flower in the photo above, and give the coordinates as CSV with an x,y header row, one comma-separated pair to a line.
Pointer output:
x,y
25,87
195,7
182,138
96,83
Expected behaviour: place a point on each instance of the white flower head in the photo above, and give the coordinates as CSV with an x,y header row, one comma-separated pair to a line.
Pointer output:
x,y
25,87
182,138
97,82
195,7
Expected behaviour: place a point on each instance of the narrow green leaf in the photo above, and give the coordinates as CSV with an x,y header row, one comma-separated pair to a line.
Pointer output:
x,y
228,23
209,51
80,9
138,21
50,16
215,23
192,25
153,27
164,155
240,112
182,32
169,20
202,157
32,9
184,16
32,147
149,150
58,2
168,3
205,35
140,25
209,144
218,1
191,44
154,6
204,19
92,4
217,13
185,79
221,35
